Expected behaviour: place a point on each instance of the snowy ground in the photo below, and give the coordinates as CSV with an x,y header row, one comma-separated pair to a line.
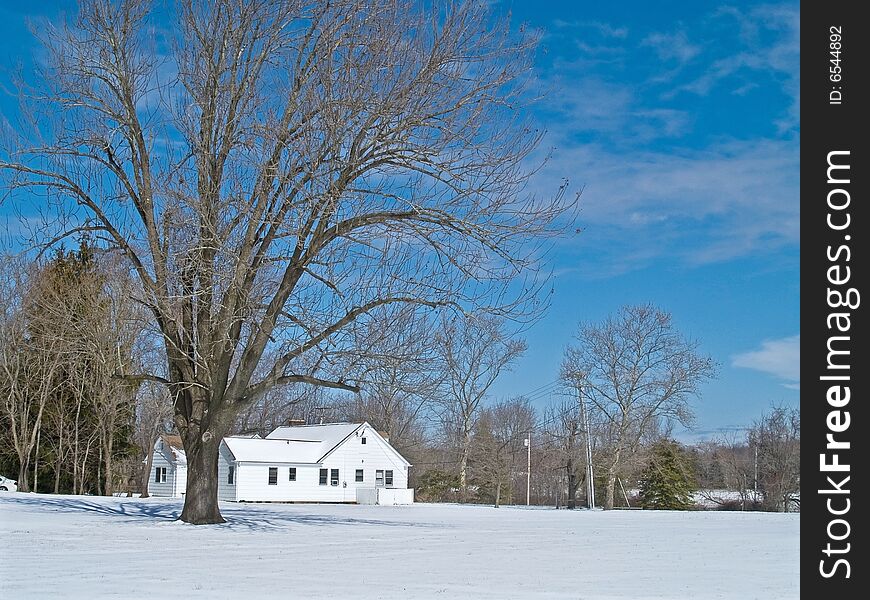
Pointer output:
x,y
89,547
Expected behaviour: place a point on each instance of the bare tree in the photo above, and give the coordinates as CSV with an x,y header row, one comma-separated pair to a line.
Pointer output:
x,y
565,433
279,169
475,351
401,373
638,373
153,415
498,444
777,438
31,356
731,459
100,348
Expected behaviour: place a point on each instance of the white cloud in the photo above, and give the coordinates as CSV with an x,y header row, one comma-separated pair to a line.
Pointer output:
x,y
780,358
603,29
733,199
672,46
759,56
652,179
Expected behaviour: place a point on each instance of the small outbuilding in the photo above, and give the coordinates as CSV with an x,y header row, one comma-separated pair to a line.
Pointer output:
x,y
168,468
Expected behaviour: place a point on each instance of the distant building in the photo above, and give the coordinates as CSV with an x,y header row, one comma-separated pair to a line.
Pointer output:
x,y
168,468
335,462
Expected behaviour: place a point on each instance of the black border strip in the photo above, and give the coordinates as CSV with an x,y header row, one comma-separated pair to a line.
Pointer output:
x,y
834,224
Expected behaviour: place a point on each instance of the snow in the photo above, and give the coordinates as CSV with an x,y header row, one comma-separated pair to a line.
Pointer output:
x,y
110,547
329,435
274,450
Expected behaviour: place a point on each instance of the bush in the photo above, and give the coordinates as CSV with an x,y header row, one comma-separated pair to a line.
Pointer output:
x,y
437,485
668,479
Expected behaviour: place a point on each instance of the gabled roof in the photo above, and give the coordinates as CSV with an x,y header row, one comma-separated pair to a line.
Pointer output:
x,y
246,449
363,428
329,434
301,444
174,448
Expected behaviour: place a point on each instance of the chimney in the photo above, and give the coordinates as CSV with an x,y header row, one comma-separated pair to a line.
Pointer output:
x,y
295,422
385,435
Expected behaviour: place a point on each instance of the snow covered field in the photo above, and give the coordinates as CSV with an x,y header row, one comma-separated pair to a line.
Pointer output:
x,y
90,547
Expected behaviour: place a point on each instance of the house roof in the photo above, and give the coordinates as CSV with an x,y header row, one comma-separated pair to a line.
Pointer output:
x,y
302,444
174,447
313,441
247,449
328,434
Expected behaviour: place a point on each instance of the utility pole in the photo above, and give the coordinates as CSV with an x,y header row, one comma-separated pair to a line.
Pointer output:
x,y
319,410
528,442
590,483
755,478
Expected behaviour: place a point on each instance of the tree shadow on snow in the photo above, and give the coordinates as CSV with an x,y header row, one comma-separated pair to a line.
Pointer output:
x,y
238,517
260,519
163,511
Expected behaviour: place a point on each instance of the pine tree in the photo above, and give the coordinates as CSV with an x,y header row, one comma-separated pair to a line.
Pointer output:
x,y
668,478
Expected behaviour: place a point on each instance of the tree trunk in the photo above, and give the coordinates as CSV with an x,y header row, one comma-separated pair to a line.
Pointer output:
x,y
108,448
463,467
612,474
83,466
75,450
611,490
23,481
497,493
145,474
36,461
59,462
201,498
572,484
57,468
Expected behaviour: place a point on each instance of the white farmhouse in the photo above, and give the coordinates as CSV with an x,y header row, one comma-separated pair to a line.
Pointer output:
x,y
335,462
168,467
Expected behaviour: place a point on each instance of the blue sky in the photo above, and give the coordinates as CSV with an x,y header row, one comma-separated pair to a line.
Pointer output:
x,y
679,120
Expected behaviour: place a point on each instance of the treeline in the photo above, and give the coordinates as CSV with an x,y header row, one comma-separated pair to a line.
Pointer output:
x,y
80,418
69,338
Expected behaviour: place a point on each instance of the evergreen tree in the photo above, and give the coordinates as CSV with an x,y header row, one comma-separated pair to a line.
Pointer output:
x,y
668,478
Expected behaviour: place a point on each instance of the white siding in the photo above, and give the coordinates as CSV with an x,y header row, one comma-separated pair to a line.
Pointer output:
x,y
180,478
167,489
384,496
226,491
252,480
374,455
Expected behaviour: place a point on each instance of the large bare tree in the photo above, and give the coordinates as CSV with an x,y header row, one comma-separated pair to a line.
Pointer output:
x,y
565,433
400,373
475,350
498,448
776,437
638,373
274,170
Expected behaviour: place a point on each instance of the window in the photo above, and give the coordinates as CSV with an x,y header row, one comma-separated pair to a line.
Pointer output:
x,y
379,479
333,477
363,440
359,474
292,473
324,474
160,475
388,477
273,475
231,476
